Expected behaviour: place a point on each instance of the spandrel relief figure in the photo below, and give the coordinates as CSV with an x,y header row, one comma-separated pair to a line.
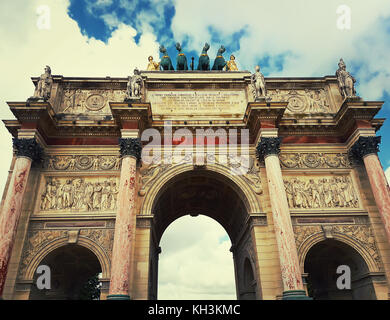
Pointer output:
x,y
258,83
346,81
152,65
44,85
335,192
134,86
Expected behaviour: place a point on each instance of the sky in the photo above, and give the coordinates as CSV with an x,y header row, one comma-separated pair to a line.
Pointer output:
x,y
111,37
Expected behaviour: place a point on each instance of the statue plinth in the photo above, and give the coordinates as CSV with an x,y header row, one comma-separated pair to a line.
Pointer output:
x,y
132,100
263,99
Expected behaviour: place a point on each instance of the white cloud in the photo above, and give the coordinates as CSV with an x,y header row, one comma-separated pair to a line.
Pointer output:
x,y
387,174
195,262
25,50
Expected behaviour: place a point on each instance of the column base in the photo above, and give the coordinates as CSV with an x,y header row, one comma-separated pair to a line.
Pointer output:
x,y
118,297
295,295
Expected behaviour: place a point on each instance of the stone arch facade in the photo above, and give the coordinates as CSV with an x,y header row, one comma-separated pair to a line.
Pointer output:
x,y
100,254
374,265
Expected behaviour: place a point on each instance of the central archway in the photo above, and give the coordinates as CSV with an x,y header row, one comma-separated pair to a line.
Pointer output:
x,y
214,195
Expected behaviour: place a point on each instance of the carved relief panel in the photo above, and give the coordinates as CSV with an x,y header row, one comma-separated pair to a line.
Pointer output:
x,y
82,162
76,101
77,194
321,192
303,101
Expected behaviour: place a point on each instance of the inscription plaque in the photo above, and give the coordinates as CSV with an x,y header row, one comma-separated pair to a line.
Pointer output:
x,y
197,103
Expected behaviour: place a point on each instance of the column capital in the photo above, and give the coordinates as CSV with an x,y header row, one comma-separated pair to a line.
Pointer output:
x,y
130,147
29,148
267,146
364,146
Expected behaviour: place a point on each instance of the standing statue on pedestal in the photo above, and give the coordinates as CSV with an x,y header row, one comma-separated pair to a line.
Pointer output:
x,y
204,60
43,88
219,62
346,81
258,83
134,86
181,59
231,64
152,65
165,63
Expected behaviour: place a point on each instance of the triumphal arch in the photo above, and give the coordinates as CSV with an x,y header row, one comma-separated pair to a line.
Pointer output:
x,y
288,166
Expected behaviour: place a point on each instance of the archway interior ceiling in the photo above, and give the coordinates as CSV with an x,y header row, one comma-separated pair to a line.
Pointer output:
x,y
200,192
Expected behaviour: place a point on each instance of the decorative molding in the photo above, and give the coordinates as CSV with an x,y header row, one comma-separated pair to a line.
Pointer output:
x,y
28,148
314,160
268,146
82,162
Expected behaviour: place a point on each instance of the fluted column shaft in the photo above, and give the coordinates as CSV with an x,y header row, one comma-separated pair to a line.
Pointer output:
x,y
27,151
125,224
366,148
268,149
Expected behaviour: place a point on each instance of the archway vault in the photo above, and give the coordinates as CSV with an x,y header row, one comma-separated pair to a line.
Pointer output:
x,y
211,190
241,186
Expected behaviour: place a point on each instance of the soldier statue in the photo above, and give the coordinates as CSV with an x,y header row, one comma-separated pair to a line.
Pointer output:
x,y
346,81
258,83
134,86
43,88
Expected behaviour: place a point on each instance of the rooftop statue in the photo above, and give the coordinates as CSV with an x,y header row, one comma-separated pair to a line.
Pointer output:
x,y
134,86
152,65
181,59
166,63
346,81
43,88
204,60
219,62
258,83
231,64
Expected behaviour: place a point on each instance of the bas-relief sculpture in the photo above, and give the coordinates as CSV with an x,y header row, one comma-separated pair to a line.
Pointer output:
x,y
302,101
82,162
79,194
320,192
89,101
44,85
314,160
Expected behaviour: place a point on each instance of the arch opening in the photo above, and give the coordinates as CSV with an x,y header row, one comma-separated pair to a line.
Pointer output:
x,y
327,282
74,275
199,192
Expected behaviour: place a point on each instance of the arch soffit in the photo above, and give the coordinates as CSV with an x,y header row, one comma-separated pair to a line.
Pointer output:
x,y
250,198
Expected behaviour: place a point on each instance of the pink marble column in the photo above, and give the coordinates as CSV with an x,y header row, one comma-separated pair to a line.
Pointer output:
x,y
125,224
366,148
268,149
27,151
